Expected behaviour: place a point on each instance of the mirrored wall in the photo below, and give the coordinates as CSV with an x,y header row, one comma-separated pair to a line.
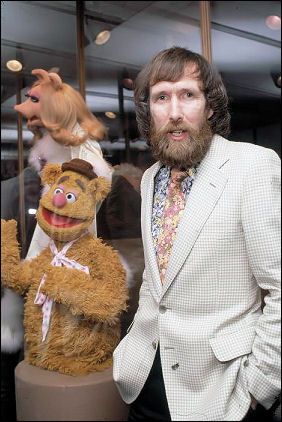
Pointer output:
x,y
117,39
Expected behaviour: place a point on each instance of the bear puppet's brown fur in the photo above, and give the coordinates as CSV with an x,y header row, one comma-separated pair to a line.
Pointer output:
x,y
84,324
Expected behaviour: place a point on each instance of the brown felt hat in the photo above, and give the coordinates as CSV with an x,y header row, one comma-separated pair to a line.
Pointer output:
x,y
81,167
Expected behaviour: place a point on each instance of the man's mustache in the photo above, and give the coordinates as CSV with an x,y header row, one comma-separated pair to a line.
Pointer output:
x,y
171,127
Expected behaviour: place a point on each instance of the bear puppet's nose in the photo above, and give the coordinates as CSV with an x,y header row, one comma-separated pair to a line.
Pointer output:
x,y
59,200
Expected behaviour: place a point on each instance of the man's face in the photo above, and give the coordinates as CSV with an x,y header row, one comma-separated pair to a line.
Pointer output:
x,y
180,133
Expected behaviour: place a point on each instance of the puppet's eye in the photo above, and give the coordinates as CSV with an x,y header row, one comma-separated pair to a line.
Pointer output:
x,y
33,98
58,190
70,197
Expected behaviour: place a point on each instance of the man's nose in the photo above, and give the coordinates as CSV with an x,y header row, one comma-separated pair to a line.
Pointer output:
x,y
175,111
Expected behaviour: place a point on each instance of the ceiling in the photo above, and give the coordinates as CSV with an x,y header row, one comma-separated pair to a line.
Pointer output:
x,y
42,34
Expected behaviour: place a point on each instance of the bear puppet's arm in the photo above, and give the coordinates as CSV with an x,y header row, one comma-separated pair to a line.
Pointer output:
x,y
15,274
100,296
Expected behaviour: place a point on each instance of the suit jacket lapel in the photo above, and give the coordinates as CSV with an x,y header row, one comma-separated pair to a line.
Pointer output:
x,y
149,251
201,201
205,193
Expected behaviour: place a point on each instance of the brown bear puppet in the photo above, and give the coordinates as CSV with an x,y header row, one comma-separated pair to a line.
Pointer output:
x,y
75,289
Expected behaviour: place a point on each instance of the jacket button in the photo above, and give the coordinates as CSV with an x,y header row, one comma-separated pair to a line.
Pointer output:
x,y
162,309
155,344
175,366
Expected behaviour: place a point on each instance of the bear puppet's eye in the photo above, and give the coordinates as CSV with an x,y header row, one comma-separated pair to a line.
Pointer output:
x,y
58,190
70,197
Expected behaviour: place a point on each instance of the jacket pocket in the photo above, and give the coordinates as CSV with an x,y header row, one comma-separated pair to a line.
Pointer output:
x,y
230,346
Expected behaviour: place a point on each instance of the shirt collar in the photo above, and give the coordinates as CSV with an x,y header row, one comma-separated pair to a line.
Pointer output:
x,y
164,176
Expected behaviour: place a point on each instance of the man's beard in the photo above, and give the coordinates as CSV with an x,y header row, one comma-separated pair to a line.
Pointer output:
x,y
181,154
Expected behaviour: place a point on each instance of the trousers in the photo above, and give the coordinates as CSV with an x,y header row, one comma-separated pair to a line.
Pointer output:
x,y
151,404
9,362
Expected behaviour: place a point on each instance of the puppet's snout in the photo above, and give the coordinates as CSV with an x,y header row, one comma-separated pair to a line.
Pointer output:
x,y
22,109
17,107
59,200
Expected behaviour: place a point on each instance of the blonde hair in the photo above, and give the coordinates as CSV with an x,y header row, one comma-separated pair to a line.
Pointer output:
x,y
62,107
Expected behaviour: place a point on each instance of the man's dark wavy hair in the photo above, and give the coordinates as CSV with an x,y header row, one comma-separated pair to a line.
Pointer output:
x,y
169,65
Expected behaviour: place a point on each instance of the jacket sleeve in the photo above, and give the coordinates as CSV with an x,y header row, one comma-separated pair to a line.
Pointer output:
x,y
261,224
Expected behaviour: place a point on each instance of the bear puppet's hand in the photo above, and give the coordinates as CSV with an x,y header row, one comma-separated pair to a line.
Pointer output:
x,y
9,243
8,231
10,254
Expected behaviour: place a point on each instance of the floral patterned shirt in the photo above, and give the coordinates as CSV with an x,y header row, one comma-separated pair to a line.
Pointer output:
x,y
160,193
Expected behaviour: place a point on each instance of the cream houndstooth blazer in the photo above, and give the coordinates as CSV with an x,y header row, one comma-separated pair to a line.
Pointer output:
x,y
216,345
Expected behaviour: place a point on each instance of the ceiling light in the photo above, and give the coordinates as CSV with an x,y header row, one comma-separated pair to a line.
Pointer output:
x,y
103,37
110,114
273,22
14,65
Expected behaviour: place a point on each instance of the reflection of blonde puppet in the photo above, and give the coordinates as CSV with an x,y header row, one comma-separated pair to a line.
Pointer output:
x,y
63,129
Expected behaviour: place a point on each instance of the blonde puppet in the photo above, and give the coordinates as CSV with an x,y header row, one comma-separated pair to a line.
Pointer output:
x,y
63,129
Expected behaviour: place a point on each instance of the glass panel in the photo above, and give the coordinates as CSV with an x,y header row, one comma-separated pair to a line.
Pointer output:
x,y
138,31
42,34
26,35
248,55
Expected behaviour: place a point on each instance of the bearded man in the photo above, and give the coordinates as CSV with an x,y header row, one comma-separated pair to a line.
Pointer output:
x,y
200,347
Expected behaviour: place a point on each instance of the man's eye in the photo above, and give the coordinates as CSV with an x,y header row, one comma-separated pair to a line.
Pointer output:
x,y
189,94
162,97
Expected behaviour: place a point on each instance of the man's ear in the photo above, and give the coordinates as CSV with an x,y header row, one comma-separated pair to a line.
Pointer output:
x,y
50,173
210,113
99,187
